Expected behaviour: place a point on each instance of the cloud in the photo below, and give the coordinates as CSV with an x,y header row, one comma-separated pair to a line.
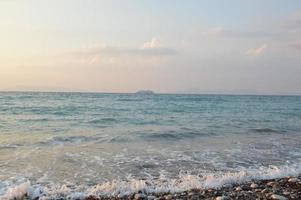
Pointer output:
x,y
216,31
150,51
115,51
152,44
257,51
149,48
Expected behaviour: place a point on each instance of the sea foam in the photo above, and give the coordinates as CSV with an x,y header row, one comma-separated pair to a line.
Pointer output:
x,y
126,187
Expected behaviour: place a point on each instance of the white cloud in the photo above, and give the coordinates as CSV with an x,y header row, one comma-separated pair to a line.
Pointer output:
x,y
257,51
152,44
115,51
216,31
152,48
149,51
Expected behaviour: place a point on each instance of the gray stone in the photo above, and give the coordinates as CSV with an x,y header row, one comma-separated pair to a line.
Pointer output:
x,y
271,183
265,190
222,198
293,180
190,193
278,197
139,196
151,197
168,197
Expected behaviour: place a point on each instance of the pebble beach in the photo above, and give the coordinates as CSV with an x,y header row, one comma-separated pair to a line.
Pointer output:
x,y
274,189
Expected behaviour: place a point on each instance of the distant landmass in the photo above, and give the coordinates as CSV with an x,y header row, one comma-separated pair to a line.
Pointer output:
x,y
145,92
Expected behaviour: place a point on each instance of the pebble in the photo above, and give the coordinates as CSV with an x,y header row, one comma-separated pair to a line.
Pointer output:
x,y
190,193
265,190
293,180
139,196
210,190
278,197
221,198
245,187
271,183
277,189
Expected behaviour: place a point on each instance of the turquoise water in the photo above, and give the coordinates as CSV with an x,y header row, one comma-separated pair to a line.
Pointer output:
x,y
55,139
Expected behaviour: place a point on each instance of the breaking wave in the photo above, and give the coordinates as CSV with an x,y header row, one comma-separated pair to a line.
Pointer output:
x,y
122,188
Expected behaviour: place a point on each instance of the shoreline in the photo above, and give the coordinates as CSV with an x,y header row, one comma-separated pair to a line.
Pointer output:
x,y
277,189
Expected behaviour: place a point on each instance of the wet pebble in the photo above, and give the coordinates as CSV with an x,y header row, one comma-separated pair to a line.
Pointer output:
x,y
257,190
139,196
293,180
191,193
253,185
168,197
221,198
266,190
278,197
271,183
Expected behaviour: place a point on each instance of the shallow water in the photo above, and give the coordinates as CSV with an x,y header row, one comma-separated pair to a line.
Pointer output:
x,y
82,139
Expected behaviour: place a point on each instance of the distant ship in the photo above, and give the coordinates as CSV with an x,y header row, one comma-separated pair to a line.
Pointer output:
x,y
145,92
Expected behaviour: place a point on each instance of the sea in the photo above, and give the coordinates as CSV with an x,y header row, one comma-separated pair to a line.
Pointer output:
x,y
73,145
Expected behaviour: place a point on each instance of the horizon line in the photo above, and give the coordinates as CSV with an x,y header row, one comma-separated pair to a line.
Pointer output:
x,y
155,93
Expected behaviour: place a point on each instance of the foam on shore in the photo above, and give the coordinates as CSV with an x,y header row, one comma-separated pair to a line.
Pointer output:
x,y
121,188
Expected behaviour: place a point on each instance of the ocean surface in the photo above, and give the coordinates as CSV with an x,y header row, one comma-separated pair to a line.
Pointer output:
x,y
77,144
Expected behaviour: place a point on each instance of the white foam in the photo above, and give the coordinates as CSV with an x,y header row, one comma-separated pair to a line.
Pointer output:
x,y
186,182
183,182
17,192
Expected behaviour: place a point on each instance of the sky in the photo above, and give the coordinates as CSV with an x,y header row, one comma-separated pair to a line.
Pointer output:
x,y
169,46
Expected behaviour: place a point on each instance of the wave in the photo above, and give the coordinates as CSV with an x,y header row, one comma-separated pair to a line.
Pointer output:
x,y
10,146
122,188
71,139
36,120
120,139
265,130
57,140
170,135
102,121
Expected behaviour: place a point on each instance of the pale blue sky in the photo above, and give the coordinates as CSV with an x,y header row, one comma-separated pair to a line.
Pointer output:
x,y
167,45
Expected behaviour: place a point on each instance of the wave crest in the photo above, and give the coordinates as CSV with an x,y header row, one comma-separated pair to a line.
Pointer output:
x,y
162,185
